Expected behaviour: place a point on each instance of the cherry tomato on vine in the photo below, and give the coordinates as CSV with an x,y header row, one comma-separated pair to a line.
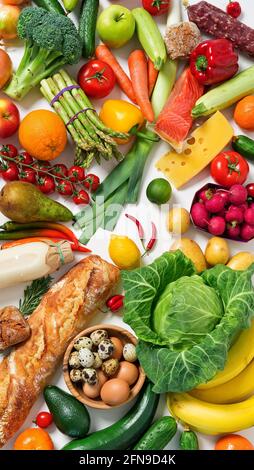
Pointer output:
x,y
229,168
76,173
41,167
91,182
250,189
156,7
34,439
233,442
96,78
82,197
9,150
46,184
10,172
59,170
44,419
234,9
24,157
28,175
64,187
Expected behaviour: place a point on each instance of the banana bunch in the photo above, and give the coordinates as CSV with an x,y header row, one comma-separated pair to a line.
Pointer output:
x,y
226,403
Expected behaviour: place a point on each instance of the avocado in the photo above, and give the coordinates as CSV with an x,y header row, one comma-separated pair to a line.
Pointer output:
x,y
22,202
69,415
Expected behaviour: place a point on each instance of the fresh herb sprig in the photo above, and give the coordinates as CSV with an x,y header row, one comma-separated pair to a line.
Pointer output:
x,y
33,295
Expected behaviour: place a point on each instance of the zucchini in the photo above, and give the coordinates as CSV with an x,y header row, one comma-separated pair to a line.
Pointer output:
x,y
50,5
87,26
188,441
158,435
244,145
226,94
150,37
124,433
164,85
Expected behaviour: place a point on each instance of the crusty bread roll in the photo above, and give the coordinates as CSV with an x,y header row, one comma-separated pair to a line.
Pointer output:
x,y
64,311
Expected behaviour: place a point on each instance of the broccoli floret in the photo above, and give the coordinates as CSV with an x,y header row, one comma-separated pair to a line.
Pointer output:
x,y
51,41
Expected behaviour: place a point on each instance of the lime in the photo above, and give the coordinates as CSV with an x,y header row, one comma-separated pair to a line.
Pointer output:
x,y
159,191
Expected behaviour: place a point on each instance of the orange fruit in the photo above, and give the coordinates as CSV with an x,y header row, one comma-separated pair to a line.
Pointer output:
x,y
42,133
34,439
233,442
244,113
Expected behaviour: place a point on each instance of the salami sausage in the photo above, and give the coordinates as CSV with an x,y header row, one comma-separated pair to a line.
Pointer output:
x,y
214,21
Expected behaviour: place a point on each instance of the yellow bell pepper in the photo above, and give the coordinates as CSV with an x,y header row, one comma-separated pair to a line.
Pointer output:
x,y
121,116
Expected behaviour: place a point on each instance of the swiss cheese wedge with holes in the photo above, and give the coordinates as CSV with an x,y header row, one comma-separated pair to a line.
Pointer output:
x,y
204,144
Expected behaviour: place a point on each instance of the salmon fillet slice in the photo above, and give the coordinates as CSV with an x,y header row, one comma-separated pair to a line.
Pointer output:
x,y
175,121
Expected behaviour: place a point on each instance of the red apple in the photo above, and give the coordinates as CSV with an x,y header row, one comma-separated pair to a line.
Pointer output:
x,y
9,118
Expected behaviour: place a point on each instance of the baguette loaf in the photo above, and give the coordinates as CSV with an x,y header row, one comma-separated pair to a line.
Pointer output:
x,y
64,311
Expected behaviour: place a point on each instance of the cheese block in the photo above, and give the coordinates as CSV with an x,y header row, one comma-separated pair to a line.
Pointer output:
x,y
204,144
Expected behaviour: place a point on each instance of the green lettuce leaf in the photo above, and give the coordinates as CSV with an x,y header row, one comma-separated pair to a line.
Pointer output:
x,y
178,371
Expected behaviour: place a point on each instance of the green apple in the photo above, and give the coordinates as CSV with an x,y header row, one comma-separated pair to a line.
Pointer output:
x,y
116,26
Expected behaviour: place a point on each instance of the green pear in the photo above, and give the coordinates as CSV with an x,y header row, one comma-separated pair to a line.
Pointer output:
x,y
22,202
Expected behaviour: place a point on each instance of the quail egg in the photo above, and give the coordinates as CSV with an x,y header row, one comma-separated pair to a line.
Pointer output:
x,y
97,361
86,357
97,336
75,375
74,361
89,376
83,342
105,349
110,367
129,352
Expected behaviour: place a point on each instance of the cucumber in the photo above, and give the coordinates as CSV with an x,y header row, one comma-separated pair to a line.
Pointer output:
x,y
70,416
244,145
50,5
124,433
150,37
158,435
87,26
188,441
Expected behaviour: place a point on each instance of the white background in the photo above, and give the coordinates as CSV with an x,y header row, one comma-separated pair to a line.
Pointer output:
x,y
144,210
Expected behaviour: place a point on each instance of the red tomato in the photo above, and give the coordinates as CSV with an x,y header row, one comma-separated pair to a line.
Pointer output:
x,y
41,167
82,197
96,78
44,419
28,175
24,157
229,168
156,7
10,172
9,150
59,170
46,184
250,189
76,173
64,187
233,442
91,182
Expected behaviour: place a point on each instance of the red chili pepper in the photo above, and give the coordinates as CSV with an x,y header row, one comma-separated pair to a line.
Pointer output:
x,y
153,239
138,225
214,61
115,303
23,241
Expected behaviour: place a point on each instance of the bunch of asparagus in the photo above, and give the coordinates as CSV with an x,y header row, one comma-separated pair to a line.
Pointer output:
x,y
92,138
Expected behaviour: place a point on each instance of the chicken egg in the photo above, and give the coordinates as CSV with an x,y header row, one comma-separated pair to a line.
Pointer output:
x,y
93,391
128,372
118,347
115,392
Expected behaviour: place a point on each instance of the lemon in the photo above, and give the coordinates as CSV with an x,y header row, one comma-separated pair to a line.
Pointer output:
x,y
124,252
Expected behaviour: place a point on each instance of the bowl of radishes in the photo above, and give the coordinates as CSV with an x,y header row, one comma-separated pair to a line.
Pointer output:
x,y
225,212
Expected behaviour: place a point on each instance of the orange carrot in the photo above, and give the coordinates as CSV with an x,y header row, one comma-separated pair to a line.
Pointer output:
x,y
103,53
138,71
152,76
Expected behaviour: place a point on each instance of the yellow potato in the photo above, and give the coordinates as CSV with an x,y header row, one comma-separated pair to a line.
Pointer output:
x,y
192,250
178,220
217,251
241,261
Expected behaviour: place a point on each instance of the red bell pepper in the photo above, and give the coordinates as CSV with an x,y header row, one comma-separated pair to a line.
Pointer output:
x,y
214,61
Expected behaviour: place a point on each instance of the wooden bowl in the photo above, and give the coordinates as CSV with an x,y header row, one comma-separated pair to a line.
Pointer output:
x,y
75,388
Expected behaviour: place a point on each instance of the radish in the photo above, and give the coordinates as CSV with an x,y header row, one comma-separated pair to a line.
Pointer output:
x,y
234,214
199,215
215,204
249,216
217,226
238,194
205,195
247,232
233,230
224,195
243,207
